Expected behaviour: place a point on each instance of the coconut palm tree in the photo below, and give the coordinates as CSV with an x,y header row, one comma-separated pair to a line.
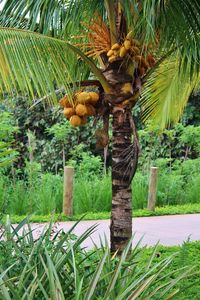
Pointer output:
x,y
125,50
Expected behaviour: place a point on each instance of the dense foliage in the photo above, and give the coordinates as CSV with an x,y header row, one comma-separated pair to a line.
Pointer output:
x,y
46,142
41,193
51,140
7,130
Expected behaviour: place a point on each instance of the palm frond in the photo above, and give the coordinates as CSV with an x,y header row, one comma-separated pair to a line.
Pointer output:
x,y
35,64
50,17
173,23
166,92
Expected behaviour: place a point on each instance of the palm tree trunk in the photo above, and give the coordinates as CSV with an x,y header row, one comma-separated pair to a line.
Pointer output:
x,y
121,219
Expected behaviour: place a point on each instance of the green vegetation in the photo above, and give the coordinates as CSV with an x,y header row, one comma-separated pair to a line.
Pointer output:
x,y
56,266
45,142
42,194
7,130
160,211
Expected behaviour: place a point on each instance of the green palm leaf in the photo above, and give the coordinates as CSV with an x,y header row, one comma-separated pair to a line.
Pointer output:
x,y
166,92
54,17
36,64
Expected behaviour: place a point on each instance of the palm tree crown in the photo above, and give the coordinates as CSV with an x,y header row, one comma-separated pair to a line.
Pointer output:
x,y
169,28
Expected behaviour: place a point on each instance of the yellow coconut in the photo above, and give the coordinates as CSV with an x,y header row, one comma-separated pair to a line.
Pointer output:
x,y
116,46
68,112
81,110
64,102
112,58
75,120
122,51
82,97
94,97
110,53
127,44
91,111
83,120
127,88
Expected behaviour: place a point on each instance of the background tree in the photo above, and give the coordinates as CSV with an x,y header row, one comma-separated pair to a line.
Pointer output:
x,y
115,48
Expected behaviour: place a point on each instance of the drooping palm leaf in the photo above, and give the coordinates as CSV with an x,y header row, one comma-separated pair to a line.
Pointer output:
x,y
36,64
166,92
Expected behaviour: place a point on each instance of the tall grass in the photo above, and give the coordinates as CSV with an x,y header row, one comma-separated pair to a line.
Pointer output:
x,y
92,195
43,193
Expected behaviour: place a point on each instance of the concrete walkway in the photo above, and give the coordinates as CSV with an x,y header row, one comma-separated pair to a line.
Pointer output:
x,y
168,230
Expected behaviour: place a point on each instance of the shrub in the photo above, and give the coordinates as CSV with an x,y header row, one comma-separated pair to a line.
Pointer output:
x,y
56,267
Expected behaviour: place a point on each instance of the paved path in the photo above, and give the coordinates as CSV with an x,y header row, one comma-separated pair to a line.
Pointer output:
x,y
168,230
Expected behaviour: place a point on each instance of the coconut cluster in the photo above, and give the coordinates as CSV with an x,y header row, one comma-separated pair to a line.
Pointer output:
x,y
83,106
131,48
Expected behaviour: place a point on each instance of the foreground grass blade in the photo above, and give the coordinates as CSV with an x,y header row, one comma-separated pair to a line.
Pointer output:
x,y
96,277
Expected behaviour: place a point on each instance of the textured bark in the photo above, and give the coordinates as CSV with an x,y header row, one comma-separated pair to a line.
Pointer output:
x,y
121,219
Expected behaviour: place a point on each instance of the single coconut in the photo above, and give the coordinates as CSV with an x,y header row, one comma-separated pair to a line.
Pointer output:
x,y
82,97
122,51
94,97
68,112
127,44
110,53
116,46
75,120
81,110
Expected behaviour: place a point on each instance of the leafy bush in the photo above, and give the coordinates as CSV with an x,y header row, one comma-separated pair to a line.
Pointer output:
x,y
7,130
55,266
177,143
